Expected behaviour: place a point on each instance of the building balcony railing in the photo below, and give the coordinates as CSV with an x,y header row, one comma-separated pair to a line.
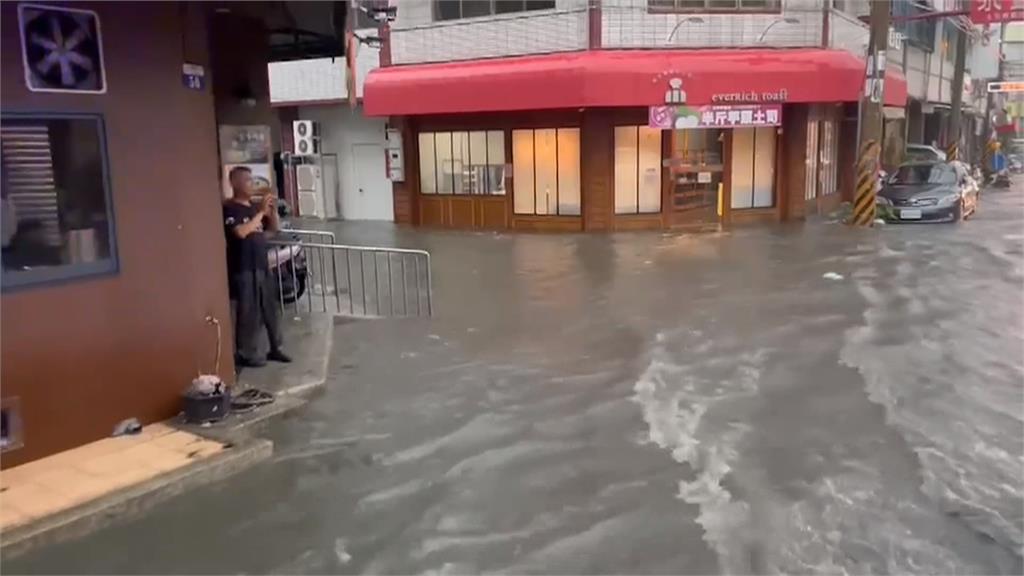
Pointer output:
x,y
641,24
632,24
535,32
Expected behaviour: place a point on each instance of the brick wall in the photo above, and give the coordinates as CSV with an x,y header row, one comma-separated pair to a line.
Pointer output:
x,y
596,158
405,192
794,146
86,354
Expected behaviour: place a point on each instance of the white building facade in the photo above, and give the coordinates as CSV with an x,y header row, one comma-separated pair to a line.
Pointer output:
x,y
352,145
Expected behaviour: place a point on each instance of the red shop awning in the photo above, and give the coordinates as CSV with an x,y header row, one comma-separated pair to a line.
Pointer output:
x,y
607,78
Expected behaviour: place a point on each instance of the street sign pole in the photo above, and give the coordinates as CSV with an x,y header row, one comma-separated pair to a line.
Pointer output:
x,y
986,130
870,118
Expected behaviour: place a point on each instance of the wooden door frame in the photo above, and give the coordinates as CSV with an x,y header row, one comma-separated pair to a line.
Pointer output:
x,y
544,222
756,215
668,210
639,220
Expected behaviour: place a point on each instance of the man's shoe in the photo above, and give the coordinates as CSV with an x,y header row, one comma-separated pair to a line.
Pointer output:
x,y
247,363
278,356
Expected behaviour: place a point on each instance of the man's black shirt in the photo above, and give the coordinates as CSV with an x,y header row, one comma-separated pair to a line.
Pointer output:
x,y
244,254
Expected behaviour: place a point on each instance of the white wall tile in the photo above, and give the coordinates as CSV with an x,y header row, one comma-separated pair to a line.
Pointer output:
x,y
318,78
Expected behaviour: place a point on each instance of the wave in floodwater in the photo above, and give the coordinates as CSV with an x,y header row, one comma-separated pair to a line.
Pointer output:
x,y
952,383
949,376
675,399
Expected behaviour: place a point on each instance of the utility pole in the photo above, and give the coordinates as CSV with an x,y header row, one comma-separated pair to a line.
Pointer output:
x,y
957,97
986,125
872,102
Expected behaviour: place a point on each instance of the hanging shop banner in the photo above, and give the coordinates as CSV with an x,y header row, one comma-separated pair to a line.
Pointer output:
x,y
993,11
715,116
247,146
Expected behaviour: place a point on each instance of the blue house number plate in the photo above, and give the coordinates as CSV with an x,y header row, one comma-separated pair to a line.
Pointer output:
x,y
193,76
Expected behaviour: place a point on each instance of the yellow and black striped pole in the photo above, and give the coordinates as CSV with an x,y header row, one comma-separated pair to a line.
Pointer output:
x,y
990,151
870,118
867,182
952,151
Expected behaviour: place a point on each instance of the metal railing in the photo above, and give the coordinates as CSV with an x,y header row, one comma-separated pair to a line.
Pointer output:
x,y
516,34
315,274
636,24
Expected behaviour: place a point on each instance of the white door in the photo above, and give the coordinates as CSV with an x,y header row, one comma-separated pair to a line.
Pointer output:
x,y
369,197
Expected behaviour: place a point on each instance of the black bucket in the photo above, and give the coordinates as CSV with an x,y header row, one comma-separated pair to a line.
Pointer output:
x,y
203,408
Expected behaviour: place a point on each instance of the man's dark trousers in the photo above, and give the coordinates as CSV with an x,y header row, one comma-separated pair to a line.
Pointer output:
x,y
256,307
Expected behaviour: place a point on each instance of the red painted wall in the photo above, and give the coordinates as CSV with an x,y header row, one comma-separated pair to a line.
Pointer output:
x,y
84,355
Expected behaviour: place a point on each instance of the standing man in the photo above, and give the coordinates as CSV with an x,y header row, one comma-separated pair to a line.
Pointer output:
x,y
252,288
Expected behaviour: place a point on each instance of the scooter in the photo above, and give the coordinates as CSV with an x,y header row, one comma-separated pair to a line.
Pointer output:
x,y
1000,179
288,262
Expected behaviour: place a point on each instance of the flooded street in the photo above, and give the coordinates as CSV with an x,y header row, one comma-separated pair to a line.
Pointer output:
x,y
644,403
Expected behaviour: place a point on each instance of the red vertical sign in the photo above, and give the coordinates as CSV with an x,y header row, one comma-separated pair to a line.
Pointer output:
x,y
994,11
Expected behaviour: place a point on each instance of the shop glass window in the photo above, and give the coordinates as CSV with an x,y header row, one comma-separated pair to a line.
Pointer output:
x,y
753,168
546,171
714,5
456,9
57,221
829,157
917,31
462,162
637,170
821,158
445,167
949,31
428,164
811,161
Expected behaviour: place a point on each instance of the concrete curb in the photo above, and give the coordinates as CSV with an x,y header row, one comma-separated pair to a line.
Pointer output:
x,y
314,375
319,378
310,339
237,427
130,502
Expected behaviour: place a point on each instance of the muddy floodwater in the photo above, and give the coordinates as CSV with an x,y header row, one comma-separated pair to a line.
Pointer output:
x,y
644,403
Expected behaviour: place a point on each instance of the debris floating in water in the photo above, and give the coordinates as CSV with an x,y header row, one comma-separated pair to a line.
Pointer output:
x,y
340,551
832,276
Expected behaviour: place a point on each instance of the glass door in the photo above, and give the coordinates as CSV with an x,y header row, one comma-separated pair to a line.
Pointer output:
x,y
829,158
696,169
811,178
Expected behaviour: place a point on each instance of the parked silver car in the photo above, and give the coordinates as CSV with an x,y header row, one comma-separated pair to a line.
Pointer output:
x,y
924,153
932,192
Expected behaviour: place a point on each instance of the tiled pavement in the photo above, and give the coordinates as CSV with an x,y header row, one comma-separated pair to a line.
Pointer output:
x,y
65,480
77,491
